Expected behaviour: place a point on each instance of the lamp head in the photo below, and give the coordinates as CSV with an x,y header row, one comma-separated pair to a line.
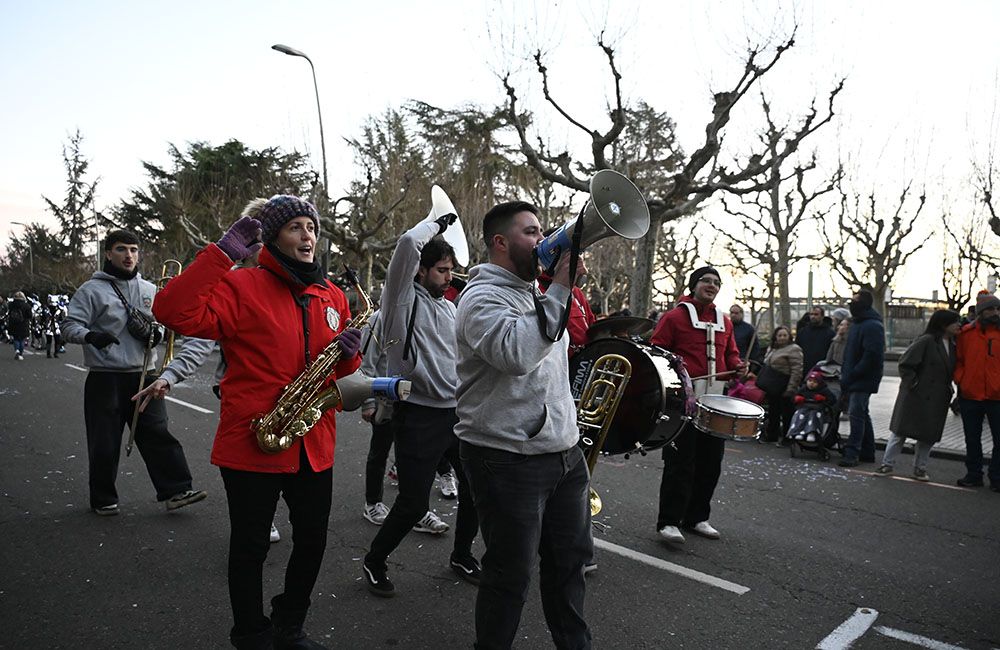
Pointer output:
x,y
291,51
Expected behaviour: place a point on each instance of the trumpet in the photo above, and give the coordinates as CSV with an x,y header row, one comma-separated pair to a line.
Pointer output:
x,y
596,409
168,354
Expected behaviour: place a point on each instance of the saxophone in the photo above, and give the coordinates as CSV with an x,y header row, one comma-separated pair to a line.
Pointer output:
x,y
303,402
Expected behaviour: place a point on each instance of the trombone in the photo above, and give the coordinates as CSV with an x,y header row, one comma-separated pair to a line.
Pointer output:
x,y
169,270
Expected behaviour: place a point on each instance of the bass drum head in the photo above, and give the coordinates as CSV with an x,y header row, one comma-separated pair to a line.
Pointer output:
x,y
654,390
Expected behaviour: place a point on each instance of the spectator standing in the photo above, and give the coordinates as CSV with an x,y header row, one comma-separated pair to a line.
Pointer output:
x,y
784,356
977,373
19,323
835,353
921,408
814,337
861,375
746,337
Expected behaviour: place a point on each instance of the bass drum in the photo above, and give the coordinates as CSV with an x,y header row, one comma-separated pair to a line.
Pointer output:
x,y
651,412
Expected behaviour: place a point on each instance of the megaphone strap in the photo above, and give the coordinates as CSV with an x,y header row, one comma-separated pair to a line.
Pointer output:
x,y
574,258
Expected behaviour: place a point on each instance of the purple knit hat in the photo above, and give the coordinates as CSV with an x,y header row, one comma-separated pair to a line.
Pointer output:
x,y
282,208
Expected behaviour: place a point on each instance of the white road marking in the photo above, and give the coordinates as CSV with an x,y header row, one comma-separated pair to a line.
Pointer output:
x,y
673,568
850,630
190,406
910,480
172,399
916,639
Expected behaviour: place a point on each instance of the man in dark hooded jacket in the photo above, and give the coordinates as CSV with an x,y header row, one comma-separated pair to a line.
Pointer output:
x,y
860,376
814,338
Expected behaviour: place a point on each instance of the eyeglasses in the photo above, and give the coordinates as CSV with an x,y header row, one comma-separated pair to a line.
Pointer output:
x,y
717,283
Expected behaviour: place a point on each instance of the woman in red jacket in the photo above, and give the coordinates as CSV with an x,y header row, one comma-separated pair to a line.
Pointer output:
x,y
272,321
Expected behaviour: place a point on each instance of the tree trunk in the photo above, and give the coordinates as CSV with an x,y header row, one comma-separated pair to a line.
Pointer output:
x,y
641,286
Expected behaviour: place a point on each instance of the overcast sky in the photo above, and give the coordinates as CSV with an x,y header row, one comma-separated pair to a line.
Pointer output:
x,y
135,76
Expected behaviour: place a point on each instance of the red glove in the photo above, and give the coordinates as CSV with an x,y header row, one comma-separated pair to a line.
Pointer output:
x,y
820,398
799,399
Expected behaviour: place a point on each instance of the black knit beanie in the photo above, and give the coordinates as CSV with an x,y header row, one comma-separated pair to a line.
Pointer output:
x,y
698,274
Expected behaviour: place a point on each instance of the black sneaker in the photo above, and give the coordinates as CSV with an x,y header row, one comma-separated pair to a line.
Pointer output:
x,y
377,579
970,481
467,567
185,498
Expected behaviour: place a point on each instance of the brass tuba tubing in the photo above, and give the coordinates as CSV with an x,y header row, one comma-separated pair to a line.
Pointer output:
x,y
599,400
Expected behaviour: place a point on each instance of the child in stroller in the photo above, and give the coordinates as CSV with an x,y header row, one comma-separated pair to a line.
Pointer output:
x,y
816,410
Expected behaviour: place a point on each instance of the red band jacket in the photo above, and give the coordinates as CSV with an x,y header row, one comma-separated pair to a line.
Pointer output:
x,y
268,323
675,332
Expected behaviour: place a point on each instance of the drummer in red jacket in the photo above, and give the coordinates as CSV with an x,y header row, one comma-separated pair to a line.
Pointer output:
x,y
691,466
271,320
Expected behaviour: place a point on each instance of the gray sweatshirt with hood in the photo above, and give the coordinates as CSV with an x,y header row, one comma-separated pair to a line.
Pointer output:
x,y
429,360
95,307
513,390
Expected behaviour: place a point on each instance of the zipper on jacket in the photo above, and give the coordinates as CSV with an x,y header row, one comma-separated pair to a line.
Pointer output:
x,y
303,302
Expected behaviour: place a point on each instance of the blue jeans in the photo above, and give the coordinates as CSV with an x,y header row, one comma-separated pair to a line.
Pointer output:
x,y
528,507
861,441
973,412
18,345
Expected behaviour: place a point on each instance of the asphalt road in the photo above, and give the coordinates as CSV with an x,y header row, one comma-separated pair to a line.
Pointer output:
x,y
807,548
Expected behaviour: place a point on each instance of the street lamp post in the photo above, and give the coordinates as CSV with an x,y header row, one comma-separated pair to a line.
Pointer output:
x,y
291,51
284,49
31,259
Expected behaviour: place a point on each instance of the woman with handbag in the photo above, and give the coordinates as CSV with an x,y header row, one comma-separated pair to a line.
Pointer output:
x,y
780,378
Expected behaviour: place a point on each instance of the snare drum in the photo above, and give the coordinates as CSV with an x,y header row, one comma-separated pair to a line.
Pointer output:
x,y
651,412
728,417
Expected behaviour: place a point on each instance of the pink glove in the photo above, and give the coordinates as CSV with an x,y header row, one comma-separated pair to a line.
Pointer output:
x,y
242,239
350,342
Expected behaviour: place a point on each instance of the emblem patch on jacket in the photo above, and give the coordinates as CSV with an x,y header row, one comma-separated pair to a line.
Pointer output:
x,y
333,318
147,301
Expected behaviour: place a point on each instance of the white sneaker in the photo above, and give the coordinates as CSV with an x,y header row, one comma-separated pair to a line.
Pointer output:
x,y
705,529
449,485
376,513
432,524
672,534
275,535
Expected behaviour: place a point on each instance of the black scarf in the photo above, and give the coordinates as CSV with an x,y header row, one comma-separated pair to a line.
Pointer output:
x,y
305,272
121,274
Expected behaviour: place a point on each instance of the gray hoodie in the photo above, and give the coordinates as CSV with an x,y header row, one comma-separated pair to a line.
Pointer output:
x,y
96,307
513,391
430,360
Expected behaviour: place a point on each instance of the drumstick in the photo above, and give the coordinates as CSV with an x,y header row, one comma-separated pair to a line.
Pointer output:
x,y
718,374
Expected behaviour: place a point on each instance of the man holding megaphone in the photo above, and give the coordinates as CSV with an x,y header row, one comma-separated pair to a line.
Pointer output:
x,y
517,424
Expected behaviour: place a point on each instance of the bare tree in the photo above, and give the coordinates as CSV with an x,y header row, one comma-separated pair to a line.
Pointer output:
x,y
699,175
676,256
965,258
771,220
870,244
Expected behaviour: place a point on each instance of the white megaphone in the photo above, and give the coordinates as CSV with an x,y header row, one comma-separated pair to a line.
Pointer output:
x,y
455,234
616,207
357,387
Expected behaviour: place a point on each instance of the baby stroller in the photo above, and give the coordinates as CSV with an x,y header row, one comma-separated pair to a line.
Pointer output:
x,y
820,433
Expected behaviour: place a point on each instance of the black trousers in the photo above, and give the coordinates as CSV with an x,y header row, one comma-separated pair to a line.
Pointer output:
x,y
780,410
691,469
531,507
57,340
107,407
252,498
423,435
378,454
